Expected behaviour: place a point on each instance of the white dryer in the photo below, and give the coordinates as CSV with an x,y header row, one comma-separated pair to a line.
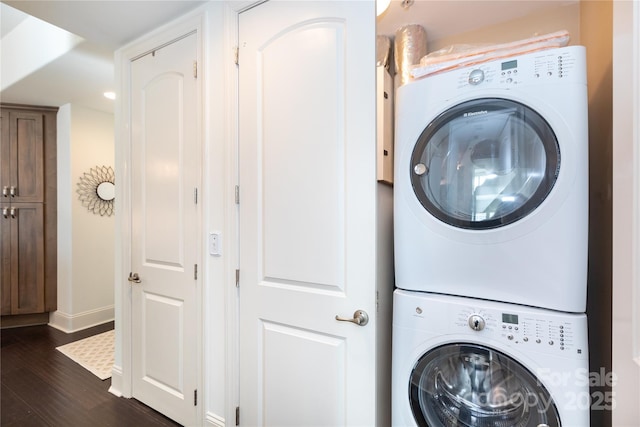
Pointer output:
x,y
462,362
491,181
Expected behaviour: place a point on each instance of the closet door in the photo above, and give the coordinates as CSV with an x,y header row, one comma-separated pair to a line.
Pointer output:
x,y
307,216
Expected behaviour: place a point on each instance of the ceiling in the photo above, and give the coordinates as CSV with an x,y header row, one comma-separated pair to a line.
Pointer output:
x,y
82,73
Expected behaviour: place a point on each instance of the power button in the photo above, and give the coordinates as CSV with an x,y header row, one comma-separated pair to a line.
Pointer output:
x,y
476,77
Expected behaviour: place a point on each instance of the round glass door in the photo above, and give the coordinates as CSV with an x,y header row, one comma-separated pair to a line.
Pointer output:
x,y
485,163
469,385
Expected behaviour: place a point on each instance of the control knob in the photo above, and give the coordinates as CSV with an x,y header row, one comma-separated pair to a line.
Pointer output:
x,y
476,322
476,77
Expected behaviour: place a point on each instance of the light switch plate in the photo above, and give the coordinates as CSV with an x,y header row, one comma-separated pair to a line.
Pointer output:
x,y
215,243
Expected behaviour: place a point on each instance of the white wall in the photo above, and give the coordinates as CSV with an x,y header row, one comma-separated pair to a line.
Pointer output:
x,y
626,140
217,195
85,240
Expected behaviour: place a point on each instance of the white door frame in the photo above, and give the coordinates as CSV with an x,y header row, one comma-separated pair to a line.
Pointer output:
x,y
122,371
232,10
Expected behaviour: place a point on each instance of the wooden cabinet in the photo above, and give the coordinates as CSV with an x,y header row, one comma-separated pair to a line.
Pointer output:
x,y
28,220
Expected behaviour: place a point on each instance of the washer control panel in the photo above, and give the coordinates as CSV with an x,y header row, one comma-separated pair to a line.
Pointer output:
x,y
523,328
531,329
559,64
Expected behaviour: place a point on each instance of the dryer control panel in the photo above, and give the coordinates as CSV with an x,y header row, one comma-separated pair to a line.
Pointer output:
x,y
560,65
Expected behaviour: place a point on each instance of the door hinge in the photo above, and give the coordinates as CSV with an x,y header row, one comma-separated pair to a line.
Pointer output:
x,y
237,415
236,55
195,195
237,195
195,69
195,397
195,271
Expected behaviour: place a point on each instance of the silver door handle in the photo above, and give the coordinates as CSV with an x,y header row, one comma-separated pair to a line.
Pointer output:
x,y
5,212
360,318
134,278
12,191
5,191
12,212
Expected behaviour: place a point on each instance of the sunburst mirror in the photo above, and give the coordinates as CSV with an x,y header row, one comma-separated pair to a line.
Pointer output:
x,y
96,190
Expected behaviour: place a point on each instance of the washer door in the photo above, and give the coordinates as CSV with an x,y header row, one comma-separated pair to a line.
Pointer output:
x,y
469,385
485,163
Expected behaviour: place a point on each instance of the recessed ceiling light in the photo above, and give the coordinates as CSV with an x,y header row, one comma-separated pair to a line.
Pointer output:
x,y
110,95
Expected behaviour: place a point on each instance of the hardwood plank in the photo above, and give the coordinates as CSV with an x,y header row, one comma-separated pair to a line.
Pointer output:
x,y
43,387
15,411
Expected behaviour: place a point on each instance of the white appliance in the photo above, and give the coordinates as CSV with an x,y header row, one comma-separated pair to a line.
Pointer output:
x,y
491,181
465,362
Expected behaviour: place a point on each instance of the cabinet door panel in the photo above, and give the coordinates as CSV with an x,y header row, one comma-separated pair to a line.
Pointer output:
x,y
26,154
5,262
27,259
5,156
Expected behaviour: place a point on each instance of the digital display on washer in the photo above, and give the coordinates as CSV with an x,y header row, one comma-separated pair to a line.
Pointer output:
x,y
510,318
509,65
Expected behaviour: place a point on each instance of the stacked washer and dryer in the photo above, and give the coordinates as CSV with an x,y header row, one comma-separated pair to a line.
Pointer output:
x,y
491,229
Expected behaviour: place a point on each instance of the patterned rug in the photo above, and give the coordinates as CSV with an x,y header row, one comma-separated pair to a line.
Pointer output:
x,y
95,353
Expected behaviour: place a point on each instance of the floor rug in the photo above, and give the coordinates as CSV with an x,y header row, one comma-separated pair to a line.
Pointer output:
x,y
95,353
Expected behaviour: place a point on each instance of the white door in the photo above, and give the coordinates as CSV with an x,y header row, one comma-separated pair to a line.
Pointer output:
x,y
307,213
165,169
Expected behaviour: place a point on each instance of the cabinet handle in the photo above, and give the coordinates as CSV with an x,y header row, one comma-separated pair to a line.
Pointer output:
x,y
12,191
12,212
5,191
5,212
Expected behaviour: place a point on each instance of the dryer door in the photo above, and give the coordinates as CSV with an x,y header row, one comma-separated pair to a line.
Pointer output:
x,y
485,163
469,385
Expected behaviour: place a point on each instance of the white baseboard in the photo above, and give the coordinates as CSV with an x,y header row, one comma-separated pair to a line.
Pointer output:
x,y
76,322
213,420
116,381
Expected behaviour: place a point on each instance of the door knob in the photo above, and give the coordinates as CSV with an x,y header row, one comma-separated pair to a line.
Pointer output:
x,y
5,191
360,318
12,212
12,191
5,212
133,277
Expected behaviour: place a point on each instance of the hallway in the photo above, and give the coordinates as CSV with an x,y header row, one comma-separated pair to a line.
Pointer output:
x,y
42,387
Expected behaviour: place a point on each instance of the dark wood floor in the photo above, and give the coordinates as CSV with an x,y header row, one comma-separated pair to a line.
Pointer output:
x,y
42,387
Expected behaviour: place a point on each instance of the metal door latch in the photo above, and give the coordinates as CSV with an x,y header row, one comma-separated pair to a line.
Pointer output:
x,y
360,318
133,277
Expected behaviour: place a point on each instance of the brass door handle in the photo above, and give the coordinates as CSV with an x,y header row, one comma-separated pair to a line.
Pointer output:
x,y
360,318
134,278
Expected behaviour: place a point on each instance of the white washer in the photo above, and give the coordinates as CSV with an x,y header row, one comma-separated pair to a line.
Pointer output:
x,y
491,181
466,362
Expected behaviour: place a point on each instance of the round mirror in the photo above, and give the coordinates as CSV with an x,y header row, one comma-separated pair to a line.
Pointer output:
x,y
106,190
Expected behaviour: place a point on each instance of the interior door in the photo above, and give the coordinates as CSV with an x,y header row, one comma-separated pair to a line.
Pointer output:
x,y
165,256
307,213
